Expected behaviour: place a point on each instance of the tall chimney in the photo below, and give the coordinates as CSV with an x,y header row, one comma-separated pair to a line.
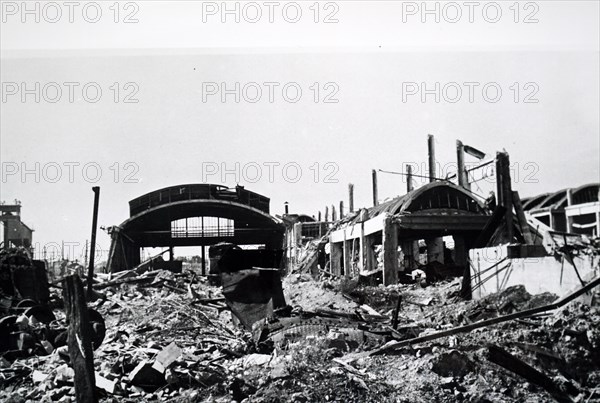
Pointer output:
x,y
431,153
375,198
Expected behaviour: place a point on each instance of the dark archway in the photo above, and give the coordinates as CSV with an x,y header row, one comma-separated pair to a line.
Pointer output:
x,y
193,215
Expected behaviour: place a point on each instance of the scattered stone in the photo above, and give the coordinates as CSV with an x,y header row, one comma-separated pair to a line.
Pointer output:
x,y
453,363
166,357
145,376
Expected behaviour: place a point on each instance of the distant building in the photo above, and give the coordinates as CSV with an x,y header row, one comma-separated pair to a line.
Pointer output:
x,y
574,210
14,232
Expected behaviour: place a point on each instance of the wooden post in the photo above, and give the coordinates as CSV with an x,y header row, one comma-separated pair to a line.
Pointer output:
x,y
390,251
319,217
409,180
351,197
341,209
79,339
375,197
431,155
333,214
85,259
326,213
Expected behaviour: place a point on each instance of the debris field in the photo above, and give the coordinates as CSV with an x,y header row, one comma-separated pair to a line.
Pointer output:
x,y
172,337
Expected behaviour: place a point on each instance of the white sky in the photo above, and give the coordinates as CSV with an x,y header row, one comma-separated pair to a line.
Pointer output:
x,y
180,24
169,53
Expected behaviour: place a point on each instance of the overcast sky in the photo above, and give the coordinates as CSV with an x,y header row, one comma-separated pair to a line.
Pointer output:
x,y
365,71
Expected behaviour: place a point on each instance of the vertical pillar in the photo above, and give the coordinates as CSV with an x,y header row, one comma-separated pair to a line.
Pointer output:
x,y
351,198
79,340
569,219
390,251
319,217
463,178
375,195
431,155
297,233
203,260
171,254
460,251
409,179
90,274
333,214
347,257
6,235
551,218
370,260
326,213
341,209
363,247
504,190
85,258
335,256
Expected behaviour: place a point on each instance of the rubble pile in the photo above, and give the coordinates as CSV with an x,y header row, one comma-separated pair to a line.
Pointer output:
x,y
171,337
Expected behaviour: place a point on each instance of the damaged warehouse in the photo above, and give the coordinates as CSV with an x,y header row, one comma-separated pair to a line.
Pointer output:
x,y
300,201
436,295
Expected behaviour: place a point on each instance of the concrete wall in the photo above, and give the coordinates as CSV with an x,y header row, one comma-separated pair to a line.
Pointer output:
x,y
540,274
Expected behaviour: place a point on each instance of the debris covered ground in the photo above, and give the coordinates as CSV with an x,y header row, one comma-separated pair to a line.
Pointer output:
x,y
171,337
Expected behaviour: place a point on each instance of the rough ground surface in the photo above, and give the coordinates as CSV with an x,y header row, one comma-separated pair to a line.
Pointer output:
x,y
220,363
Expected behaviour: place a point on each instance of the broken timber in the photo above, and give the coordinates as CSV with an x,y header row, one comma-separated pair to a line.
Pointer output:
x,y
513,364
463,329
79,339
